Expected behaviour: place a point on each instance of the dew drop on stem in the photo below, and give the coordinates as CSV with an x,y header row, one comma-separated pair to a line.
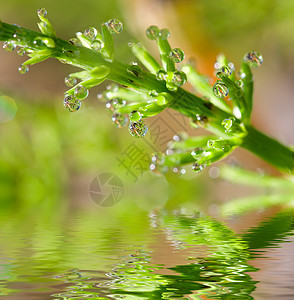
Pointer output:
x,y
197,152
135,116
8,46
228,123
70,81
71,104
226,148
91,33
119,120
152,32
220,90
179,78
42,12
240,83
21,51
161,74
253,59
81,92
135,69
114,26
177,55
152,93
226,70
138,129
164,33
197,167
23,69
75,41
96,45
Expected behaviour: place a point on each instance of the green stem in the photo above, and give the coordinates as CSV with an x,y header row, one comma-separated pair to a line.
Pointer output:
x,y
269,149
191,105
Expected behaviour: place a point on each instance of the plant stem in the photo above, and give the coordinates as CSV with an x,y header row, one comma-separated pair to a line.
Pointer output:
x,y
253,140
269,149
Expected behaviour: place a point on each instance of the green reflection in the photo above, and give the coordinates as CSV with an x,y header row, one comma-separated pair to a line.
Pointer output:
x,y
110,256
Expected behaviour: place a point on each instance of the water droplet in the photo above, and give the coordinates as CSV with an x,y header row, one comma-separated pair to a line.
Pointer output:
x,y
38,42
219,74
152,167
176,138
183,171
216,65
42,12
164,33
152,32
171,87
76,42
8,46
22,69
135,116
176,170
161,100
231,66
119,120
197,167
91,33
199,121
197,152
226,71
81,92
169,152
242,75
135,69
138,129
240,83
228,123
210,143
114,26
154,158
179,170
153,93
96,45
179,78
18,34
177,55
71,104
21,51
70,81
220,90
226,148
118,102
253,59
161,74
109,105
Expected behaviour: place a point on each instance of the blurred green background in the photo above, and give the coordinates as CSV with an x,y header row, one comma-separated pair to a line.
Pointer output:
x,y
48,156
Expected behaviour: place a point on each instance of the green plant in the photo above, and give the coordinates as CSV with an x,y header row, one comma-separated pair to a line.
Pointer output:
x,y
145,93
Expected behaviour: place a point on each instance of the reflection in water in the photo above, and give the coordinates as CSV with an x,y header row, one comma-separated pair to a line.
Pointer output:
x,y
104,258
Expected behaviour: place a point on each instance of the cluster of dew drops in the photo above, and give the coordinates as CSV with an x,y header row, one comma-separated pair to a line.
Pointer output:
x,y
252,58
10,46
137,127
177,55
72,103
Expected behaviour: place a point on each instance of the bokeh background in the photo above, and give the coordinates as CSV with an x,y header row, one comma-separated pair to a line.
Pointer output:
x,y
49,157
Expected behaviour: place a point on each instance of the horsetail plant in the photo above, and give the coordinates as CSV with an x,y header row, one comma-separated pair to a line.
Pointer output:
x,y
141,93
